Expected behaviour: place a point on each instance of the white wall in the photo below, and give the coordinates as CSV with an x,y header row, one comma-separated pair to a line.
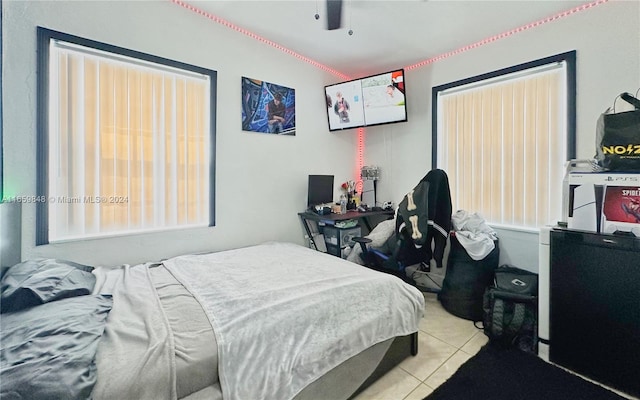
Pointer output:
x,y
607,41
10,223
261,180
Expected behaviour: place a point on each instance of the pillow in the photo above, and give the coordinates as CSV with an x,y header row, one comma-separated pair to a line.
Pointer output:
x,y
40,281
48,351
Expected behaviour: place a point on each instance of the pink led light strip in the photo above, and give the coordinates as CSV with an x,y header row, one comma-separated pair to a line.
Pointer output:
x,y
252,35
410,67
360,155
506,34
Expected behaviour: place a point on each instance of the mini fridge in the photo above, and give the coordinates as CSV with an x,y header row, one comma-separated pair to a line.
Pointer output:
x,y
594,306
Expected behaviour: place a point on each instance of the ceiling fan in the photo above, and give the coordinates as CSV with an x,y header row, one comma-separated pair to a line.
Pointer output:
x,y
334,14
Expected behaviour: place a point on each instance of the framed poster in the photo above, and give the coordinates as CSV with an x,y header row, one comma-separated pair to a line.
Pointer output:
x,y
268,108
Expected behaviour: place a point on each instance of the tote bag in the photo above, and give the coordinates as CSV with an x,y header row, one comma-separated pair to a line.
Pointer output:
x,y
618,137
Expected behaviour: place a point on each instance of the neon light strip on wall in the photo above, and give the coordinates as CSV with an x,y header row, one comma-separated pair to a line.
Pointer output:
x,y
361,135
506,34
360,158
252,35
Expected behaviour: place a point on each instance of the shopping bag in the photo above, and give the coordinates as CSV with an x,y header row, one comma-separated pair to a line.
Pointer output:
x,y
618,137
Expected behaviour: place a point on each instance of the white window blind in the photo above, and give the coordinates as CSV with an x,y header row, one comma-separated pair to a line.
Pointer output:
x,y
503,144
129,145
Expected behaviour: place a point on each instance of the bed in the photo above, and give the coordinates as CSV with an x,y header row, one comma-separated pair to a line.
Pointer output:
x,y
271,321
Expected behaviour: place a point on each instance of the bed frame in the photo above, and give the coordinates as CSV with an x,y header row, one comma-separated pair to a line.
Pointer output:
x,y
401,348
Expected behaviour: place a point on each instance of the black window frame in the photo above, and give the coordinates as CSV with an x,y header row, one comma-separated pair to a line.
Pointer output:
x,y
44,37
568,57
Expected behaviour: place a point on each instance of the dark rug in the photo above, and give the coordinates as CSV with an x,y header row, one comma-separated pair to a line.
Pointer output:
x,y
510,374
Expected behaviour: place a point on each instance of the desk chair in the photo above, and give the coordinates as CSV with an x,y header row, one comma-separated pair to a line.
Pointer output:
x,y
423,220
394,256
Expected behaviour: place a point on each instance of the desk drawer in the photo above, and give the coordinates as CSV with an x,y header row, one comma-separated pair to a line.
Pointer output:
x,y
334,250
340,237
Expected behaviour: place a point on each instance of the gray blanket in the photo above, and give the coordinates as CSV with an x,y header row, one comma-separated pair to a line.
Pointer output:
x,y
284,315
48,351
135,357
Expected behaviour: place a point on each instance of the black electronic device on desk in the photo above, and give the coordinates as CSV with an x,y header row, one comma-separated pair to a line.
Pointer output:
x,y
365,208
319,190
321,210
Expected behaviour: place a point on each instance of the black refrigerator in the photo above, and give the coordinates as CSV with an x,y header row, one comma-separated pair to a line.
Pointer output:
x,y
595,306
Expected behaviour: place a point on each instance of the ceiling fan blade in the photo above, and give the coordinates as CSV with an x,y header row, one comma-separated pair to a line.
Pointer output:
x,y
334,14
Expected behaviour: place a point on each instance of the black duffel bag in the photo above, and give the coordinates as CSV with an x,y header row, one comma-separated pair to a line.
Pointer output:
x,y
466,280
510,308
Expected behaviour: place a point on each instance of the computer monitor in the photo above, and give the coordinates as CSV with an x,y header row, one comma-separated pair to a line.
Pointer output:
x,y
320,190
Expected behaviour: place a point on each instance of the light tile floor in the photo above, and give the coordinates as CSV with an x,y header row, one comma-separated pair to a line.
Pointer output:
x,y
445,342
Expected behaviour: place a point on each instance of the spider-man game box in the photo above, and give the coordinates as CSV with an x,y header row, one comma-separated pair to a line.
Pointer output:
x,y
621,209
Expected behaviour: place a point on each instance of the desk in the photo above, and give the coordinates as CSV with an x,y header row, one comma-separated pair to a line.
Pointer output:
x,y
309,217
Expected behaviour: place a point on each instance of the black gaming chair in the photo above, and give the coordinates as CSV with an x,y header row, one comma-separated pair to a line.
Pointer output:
x,y
423,223
395,255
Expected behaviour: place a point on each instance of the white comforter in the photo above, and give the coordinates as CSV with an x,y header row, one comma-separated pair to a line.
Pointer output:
x,y
284,315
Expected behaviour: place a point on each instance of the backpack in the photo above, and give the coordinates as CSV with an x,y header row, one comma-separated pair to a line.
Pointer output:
x,y
510,309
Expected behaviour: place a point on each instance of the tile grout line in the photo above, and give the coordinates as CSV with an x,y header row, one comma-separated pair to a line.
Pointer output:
x,y
478,331
458,348
439,365
413,390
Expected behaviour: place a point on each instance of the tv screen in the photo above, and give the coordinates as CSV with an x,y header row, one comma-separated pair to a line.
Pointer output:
x,y
320,190
373,100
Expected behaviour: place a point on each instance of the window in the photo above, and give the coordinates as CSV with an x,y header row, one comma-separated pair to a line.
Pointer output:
x,y
126,141
503,139
1,124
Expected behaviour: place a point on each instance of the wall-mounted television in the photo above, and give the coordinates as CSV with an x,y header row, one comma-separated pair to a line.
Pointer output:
x,y
373,100
320,190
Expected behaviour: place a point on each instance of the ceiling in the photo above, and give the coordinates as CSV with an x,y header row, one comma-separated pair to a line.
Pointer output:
x,y
386,34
